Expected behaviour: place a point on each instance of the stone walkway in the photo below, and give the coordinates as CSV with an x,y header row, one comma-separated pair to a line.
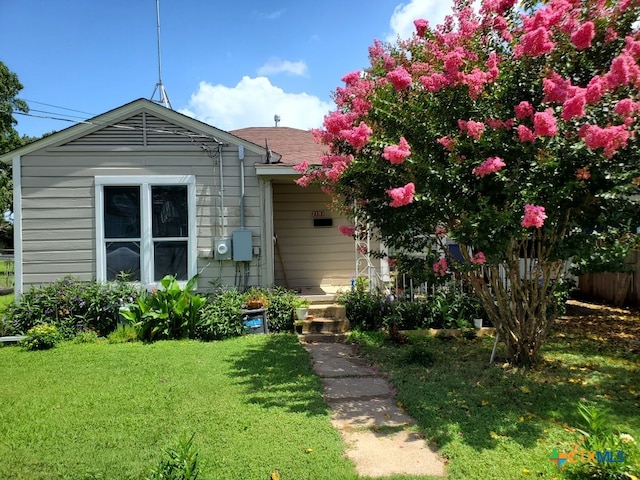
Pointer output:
x,y
377,432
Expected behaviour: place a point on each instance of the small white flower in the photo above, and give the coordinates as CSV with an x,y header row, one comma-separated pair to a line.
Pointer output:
x,y
626,438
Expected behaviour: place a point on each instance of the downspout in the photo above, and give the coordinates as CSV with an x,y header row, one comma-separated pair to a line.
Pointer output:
x,y
241,157
17,227
223,227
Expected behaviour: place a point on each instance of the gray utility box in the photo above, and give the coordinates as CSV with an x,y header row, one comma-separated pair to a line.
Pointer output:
x,y
255,321
242,248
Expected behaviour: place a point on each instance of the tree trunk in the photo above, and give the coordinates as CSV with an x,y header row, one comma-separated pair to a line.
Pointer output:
x,y
520,298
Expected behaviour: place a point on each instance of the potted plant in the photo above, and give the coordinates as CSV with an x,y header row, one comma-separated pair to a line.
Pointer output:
x,y
255,299
302,308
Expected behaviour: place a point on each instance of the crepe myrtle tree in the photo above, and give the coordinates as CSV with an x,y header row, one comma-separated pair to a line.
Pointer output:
x,y
510,129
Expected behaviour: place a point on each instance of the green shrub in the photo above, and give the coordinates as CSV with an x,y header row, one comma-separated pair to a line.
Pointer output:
x,y
72,306
179,463
170,312
6,326
221,316
88,336
123,334
365,310
282,305
41,337
418,354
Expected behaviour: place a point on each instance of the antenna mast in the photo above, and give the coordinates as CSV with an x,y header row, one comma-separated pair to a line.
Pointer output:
x,y
164,98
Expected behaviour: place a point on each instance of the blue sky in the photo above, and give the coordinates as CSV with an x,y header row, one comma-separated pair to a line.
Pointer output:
x,y
232,64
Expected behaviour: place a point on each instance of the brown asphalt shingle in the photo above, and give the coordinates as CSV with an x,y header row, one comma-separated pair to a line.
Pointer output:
x,y
293,144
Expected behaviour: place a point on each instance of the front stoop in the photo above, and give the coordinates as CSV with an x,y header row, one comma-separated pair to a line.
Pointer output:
x,y
326,323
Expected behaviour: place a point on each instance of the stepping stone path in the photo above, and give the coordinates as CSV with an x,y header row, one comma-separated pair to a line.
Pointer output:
x,y
378,433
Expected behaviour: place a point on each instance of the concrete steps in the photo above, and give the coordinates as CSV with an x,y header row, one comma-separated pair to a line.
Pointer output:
x,y
326,322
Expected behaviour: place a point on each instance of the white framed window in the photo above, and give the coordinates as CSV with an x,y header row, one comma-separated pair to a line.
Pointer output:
x,y
146,227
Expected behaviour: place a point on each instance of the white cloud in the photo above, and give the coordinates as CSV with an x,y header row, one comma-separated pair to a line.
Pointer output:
x,y
276,65
252,103
401,22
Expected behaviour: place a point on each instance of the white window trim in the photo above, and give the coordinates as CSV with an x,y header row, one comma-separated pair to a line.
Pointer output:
x,y
145,182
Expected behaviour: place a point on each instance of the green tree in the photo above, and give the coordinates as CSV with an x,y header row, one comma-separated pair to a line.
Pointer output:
x,y
10,86
512,132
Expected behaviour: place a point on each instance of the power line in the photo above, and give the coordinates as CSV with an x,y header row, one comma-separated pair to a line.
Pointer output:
x,y
58,107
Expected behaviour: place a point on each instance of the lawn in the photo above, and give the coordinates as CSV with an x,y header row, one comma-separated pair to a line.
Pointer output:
x,y
108,410
87,411
493,421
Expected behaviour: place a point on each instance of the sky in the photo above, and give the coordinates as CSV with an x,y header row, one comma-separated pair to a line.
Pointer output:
x,y
231,64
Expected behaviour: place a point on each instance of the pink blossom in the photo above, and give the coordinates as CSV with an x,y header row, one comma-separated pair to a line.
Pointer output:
x,y
440,230
574,107
397,153
610,35
337,121
446,142
421,26
402,195
440,267
304,181
475,81
490,165
595,90
620,72
583,173
479,259
610,139
302,166
334,173
399,78
472,128
534,216
583,37
434,82
544,124
346,230
357,136
534,43
525,134
351,78
625,107
555,88
523,110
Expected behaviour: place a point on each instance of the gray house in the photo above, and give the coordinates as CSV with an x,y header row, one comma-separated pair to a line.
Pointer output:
x,y
149,191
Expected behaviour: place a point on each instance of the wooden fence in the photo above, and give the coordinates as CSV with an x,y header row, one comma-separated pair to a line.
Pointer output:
x,y
614,288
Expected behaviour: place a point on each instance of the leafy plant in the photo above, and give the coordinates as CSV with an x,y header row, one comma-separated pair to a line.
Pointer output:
x,y
123,334
73,306
170,312
599,436
87,336
179,462
221,316
41,337
365,310
256,297
282,305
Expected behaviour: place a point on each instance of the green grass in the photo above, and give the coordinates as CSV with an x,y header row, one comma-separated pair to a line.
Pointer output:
x,y
86,411
5,300
493,421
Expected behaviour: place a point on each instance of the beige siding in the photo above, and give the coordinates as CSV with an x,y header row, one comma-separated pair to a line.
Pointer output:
x,y
58,216
309,257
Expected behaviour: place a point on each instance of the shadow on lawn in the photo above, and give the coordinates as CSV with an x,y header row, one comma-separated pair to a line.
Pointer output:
x,y
276,373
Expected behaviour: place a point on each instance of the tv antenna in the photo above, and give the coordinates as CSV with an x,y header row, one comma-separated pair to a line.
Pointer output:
x,y
164,98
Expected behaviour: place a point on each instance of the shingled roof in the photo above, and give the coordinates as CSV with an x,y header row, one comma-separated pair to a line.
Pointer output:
x,y
293,144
